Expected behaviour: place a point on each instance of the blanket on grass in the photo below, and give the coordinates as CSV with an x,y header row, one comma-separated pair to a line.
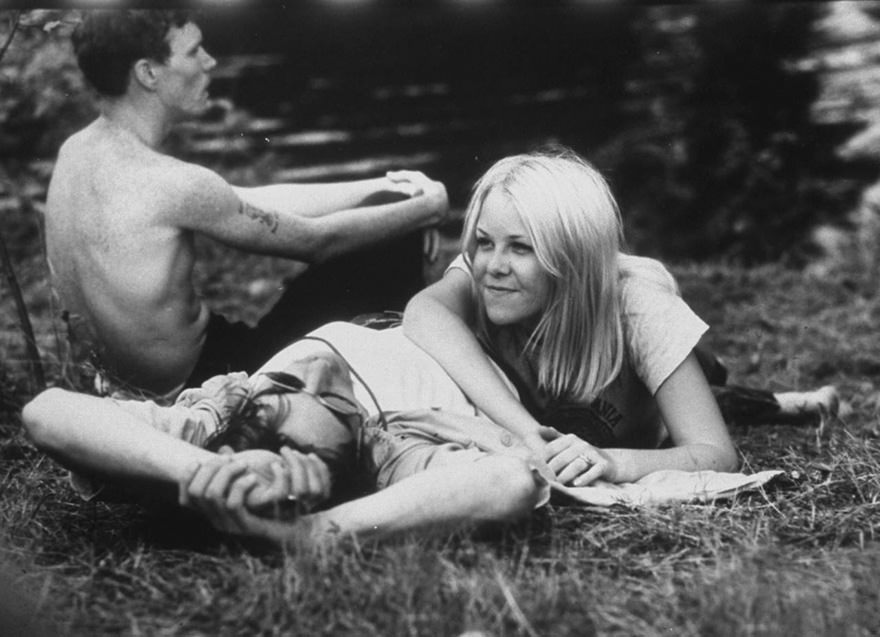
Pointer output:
x,y
664,487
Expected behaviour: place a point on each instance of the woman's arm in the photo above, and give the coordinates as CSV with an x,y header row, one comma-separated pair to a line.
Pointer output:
x,y
438,319
695,426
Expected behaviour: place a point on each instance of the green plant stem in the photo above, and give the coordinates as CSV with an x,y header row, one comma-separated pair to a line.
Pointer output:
x,y
33,353
15,23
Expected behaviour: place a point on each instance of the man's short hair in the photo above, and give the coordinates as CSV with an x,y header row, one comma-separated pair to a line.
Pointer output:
x,y
107,43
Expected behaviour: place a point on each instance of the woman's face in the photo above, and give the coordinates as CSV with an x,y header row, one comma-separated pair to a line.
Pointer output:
x,y
515,289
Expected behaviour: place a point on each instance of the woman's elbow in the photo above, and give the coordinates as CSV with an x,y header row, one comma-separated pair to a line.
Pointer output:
x,y
727,458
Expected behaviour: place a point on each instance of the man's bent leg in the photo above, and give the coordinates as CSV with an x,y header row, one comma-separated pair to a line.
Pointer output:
x,y
750,406
383,278
229,347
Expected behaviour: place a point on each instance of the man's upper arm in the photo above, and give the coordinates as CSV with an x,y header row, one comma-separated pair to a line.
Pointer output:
x,y
202,201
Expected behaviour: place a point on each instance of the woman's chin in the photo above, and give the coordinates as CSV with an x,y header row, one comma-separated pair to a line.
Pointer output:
x,y
501,318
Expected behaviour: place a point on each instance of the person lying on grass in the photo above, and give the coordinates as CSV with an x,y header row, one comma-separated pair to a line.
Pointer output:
x,y
344,411
599,344
298,431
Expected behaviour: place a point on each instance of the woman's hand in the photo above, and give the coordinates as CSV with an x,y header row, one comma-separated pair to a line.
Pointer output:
x,y
577,462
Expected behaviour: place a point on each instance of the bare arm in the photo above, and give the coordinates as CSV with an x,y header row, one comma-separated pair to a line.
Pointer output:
x,y
94,435
495,488
316,200
694,422
269,221
97,437
438,319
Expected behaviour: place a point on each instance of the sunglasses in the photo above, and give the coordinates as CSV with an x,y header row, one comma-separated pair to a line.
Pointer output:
x,y
340,406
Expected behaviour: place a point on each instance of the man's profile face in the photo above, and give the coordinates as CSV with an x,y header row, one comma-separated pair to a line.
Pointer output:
x,y
184,77
302,417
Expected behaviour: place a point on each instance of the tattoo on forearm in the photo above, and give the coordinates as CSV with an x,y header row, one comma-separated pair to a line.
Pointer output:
x,y
266,217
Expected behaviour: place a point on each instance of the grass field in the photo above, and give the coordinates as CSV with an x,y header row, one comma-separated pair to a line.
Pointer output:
x,y
799,558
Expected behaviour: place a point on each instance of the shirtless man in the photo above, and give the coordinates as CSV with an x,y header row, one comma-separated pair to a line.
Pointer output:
x,y
121,215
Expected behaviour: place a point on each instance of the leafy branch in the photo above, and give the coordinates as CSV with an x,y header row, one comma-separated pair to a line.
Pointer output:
x,y
33,354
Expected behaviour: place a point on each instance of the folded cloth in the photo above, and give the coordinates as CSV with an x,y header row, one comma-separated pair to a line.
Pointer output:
x,y
663,487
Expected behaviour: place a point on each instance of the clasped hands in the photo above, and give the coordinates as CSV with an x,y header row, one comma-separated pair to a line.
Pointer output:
x,y
236,491
573,461
413,183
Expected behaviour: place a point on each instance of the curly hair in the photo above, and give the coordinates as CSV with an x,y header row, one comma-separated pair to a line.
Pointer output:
x,y
249,427
108,42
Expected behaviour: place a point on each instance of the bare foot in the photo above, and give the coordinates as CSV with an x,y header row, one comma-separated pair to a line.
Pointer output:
x,y
820,403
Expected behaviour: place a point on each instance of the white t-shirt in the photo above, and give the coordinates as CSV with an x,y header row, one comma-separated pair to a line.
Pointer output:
x,y
660,330
401,375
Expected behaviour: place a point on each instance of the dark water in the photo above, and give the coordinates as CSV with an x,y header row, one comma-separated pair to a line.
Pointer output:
x,y
684,108
448,89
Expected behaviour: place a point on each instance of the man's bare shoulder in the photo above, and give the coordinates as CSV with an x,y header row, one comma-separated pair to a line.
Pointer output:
x,y
104,174
187,191
110,156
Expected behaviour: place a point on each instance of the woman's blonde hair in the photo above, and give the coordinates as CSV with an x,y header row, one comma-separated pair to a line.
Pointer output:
x,y
573,223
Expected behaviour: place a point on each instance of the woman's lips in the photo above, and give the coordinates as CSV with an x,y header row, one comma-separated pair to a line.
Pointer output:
x,y
494,289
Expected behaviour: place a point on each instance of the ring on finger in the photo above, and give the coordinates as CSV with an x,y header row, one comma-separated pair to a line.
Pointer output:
x,y
587,462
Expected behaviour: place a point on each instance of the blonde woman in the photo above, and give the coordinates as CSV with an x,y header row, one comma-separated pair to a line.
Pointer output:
x,y
599,344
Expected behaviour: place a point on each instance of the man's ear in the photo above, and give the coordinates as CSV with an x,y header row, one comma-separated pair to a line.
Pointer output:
x,y
144,73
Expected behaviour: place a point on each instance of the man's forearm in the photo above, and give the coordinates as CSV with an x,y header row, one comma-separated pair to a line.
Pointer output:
x,y
493,489
91,434
231,216
353,229
315,200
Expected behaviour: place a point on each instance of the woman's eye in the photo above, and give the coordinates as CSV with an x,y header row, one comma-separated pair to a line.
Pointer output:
x,y
483,242
521,248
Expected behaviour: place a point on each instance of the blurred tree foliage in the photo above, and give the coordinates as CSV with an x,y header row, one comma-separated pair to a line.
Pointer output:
x,y
725,160
29,56
42,98
709,145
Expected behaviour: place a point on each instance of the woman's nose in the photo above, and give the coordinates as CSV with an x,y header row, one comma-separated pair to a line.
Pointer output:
x,y
499,262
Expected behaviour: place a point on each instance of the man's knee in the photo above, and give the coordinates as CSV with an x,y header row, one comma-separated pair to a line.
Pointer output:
x,y
39,416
